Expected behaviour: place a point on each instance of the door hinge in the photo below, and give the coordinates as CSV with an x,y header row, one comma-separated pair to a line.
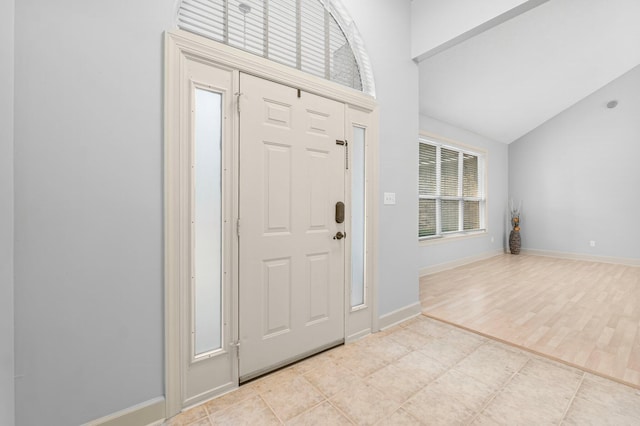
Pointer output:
x,y
346,154
344,143
238,227
236,345
238,94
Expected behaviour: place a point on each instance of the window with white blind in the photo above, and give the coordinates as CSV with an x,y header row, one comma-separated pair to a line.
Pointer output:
x,y
303,34
451,190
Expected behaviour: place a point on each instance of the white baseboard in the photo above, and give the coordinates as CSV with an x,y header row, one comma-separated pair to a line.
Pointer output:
x,y
459,262
399,315
577,256
147,413
357,336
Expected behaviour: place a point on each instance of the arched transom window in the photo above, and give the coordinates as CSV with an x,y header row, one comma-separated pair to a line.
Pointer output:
x,y
314,36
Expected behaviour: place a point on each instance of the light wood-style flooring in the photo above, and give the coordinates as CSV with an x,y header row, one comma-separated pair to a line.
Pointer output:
x,y
586,314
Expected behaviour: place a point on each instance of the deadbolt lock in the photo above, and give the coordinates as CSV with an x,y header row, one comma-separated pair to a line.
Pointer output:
x,y
340,235
339,212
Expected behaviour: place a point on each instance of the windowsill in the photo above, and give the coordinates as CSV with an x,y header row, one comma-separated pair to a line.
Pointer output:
x,y
427,241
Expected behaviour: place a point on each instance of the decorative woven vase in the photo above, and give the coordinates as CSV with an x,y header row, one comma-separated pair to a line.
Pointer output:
x,y
515,242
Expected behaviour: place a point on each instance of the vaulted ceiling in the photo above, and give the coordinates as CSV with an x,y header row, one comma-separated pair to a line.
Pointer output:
x,y
506,75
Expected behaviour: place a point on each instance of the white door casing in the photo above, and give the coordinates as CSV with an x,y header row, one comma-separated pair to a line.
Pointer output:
x,y
213,371
292,174
193,61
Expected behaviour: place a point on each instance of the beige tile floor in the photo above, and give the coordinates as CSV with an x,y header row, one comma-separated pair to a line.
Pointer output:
x,y
423,372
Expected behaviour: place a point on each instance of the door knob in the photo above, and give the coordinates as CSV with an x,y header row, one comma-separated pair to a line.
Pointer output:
x,y
340,235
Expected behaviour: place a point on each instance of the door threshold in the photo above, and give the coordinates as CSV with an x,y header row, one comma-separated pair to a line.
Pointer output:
x,y
288,362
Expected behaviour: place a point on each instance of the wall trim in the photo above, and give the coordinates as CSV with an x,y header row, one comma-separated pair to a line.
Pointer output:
x,y
357,336
150,412
455,144
586,257
230,57
428,270
400,315
445,239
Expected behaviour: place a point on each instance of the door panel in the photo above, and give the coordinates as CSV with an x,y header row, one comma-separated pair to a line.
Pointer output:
x,y
277,188
291,268
318,280
276,300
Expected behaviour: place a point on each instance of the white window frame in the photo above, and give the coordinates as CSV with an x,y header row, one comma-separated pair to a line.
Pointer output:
x,y
482,188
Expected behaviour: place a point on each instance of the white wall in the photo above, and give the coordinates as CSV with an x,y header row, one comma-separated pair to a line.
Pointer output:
x,y
385,27
88,185
578,175
438,24
6,213
509,80
440,252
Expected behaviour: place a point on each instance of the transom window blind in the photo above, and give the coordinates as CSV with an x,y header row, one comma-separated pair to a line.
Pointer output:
x,y
451,190
299,33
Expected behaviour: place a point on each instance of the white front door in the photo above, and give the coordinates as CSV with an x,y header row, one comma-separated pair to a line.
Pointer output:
x,y
291,275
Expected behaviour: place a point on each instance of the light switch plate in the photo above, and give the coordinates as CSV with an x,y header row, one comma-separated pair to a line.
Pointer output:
x,y
389,198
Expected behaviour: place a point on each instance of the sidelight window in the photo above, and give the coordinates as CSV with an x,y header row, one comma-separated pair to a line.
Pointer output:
x,y
358,222
207,222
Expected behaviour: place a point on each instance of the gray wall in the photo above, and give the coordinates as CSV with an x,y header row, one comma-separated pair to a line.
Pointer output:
x,y
6,213
88,185
438,252
385,26
578,175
